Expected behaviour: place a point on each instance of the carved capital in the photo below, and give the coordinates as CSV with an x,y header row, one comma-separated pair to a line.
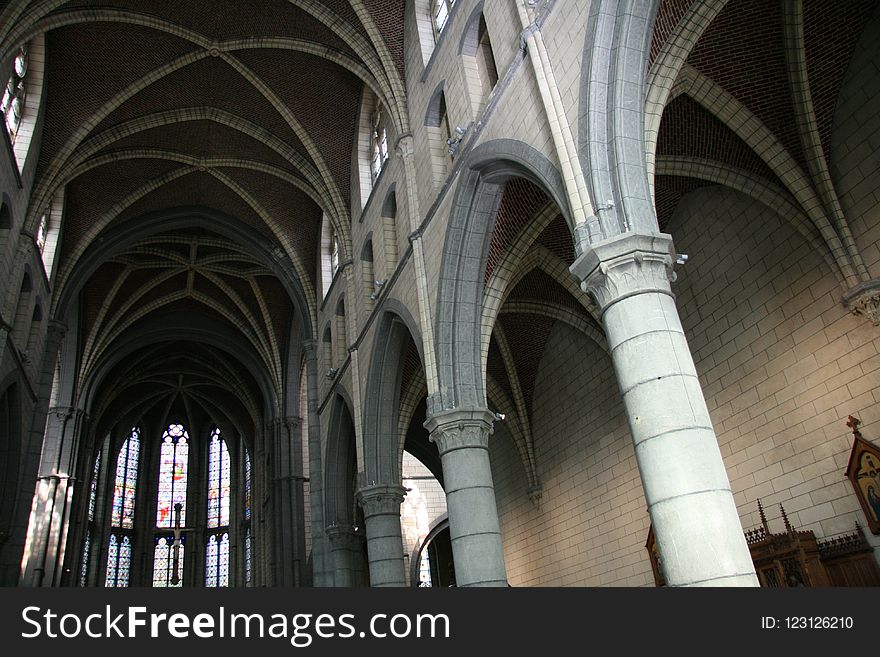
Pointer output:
x,y
405,146
864,300
460,429
340,536
381,500
626,265
56,329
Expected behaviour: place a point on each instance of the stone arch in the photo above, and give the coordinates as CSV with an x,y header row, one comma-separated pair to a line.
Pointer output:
x,y
340,468
612,123
465,252
6,213
382,451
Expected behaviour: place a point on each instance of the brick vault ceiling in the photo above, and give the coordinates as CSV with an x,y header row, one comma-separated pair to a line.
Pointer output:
x,y
248,109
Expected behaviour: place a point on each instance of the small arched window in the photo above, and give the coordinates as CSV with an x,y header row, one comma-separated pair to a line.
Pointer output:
x,y
481,73
379,142
443,146
42,232
21,96
440,10
334,255
15,93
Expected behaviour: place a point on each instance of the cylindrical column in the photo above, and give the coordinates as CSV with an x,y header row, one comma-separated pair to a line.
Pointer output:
x,y
695,520
342,541
462,436
381,506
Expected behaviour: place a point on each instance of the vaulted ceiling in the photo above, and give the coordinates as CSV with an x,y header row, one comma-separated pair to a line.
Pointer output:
x,y
245,109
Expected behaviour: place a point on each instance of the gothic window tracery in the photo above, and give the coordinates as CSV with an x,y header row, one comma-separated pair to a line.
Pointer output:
x,y
122,515
217,549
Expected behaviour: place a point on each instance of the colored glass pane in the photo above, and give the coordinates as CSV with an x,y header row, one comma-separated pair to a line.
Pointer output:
x,y
118,561
247,485
93,487
218,481
164,562
125,484
173,460
217,560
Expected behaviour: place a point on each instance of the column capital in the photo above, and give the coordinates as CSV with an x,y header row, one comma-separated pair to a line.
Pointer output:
x,y
381,500
290,422
340,536
460,428
405,146
66,412
57,327
626,265
864,300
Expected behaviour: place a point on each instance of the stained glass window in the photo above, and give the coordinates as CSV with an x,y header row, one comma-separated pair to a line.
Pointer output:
x,y
93,487
247,485
126,481
218,481
12,104
118,560
425,570
217,560
248,551
246,525
165,574
86,553
172,476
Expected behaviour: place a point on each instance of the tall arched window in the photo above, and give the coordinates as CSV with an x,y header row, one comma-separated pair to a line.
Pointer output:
x,y
173,462
168,550
15,93
126,481
246,523
217,549
90,527
122,515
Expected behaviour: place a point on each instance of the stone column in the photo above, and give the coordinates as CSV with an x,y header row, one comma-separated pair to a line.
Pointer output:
x,y
462,436
288,527
343,544
322,561
381,506
695,520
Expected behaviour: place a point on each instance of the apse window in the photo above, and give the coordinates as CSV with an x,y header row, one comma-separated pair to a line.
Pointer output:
x,y
168,550
217,549
15,93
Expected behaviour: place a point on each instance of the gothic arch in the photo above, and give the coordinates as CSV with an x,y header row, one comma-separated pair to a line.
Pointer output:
x,y
340,465
460,295
612,111
382,448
